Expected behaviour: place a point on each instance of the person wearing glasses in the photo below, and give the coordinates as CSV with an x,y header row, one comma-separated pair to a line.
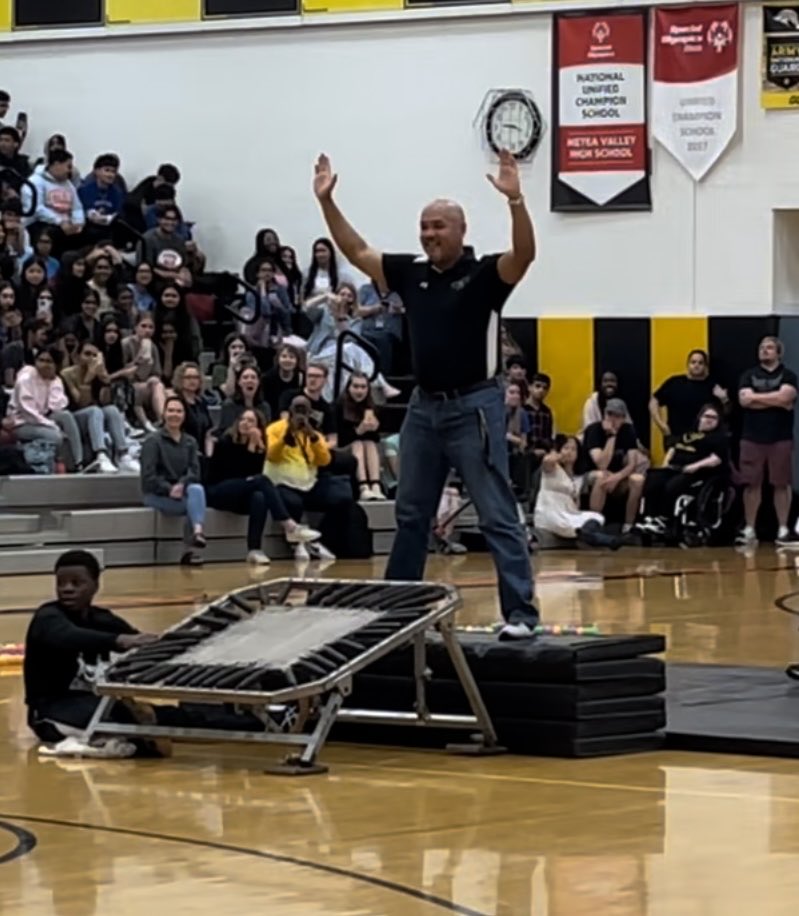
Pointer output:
x,y
697,455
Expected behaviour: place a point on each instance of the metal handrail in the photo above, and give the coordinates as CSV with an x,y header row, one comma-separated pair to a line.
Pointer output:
x,y
369,348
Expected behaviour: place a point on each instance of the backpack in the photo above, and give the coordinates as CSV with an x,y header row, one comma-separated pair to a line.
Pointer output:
x,y
345,531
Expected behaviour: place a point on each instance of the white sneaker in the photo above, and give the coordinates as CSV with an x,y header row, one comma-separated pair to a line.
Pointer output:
x,y
366,494
258,557
377,491
105,465
148,427
129,465
302,534
519,630
320,552
301,554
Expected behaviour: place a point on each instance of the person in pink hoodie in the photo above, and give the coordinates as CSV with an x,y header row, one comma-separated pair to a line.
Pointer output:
x,y
38,406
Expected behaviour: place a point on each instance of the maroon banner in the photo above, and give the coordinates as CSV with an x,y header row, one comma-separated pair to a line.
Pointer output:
x,y
600,157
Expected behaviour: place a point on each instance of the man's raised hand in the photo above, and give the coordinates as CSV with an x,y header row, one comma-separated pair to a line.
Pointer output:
x,y
324,180
506,180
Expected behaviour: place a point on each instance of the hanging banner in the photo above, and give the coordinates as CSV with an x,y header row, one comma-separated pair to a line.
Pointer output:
x,y
780,65
600,159
695,90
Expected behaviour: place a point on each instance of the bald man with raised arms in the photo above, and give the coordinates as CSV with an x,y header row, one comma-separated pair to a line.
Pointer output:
x,y
456,415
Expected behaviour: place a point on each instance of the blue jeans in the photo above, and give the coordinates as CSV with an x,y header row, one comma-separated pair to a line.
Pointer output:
x,y
192,506
255,497
468,434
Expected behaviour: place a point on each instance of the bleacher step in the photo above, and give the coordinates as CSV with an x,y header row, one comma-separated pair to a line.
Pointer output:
x,y
28,561
11,523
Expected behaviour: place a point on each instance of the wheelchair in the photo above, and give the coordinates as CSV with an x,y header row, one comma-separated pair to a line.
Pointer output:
x,y
698,515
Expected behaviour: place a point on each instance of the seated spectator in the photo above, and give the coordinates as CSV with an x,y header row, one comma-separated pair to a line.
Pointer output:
x,y
697,455
12,344
19,351
246,396
33,281
102,198
71,284
17,241
143,288
170,477
8,296
683,397
67,344
267,247
165,248
22,120
57,203
10,264
358,429
295,451
38,407
594,407
43,250
323,417
516,372
103,280
557,505
139,350
187,382
236,483
293,275
381,322
56,141
10,156
166,342
235,355
612,447
271,311
284,376
517,434
143,195
85,385
124,312
171,308
542,423
86,325
323,275
120,373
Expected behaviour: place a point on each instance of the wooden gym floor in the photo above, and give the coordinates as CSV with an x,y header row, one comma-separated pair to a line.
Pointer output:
x,y
391,831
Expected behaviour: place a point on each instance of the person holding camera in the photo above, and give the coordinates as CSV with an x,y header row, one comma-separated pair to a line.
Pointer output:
x,y
295,451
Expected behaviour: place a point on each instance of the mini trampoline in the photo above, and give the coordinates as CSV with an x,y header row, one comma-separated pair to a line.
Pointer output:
x,y
285,652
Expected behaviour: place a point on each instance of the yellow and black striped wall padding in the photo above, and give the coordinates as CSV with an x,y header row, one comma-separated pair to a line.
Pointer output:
x,y
643,352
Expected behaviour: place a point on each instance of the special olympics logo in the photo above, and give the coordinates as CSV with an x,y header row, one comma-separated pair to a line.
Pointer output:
x,y
720,35
600,32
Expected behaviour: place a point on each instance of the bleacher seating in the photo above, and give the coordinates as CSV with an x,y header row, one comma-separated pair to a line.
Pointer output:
x,y
42,516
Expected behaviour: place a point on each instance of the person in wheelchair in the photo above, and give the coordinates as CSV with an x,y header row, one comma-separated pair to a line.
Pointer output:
x,y
697,457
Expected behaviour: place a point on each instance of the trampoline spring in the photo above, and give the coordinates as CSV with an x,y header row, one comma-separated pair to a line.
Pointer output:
x,y
310,663
284,592
349,643
154,674
233,676
216,674
258,675
334,655
241,604
327,665
317,595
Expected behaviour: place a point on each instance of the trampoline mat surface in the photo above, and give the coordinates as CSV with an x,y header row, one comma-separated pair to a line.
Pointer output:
x,y
277,639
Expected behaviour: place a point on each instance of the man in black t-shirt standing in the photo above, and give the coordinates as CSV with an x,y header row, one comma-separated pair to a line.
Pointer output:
x,y
684,396
456,415
767,394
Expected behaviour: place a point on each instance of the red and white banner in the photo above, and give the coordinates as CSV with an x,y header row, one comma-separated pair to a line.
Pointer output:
x,y
695,91
600,157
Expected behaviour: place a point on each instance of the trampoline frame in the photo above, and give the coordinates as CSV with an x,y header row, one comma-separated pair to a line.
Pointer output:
x,y
327,693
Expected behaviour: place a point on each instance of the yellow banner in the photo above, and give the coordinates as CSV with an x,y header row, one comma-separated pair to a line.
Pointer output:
x,y
780,57
349,6
5,15
127,12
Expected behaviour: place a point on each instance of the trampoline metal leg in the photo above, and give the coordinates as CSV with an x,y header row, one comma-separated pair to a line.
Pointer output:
x,y
305,763
420,675
488,735
96,718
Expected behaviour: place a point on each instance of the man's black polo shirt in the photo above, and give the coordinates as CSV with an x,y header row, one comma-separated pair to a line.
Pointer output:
x,y
453,317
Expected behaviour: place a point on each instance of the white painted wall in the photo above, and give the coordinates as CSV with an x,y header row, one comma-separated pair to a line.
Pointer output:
x,y
244,114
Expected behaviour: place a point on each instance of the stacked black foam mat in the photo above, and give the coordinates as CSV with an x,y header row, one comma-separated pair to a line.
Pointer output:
x,y
560,696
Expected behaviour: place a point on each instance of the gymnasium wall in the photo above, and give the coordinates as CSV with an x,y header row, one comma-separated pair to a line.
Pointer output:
x,y
244,113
